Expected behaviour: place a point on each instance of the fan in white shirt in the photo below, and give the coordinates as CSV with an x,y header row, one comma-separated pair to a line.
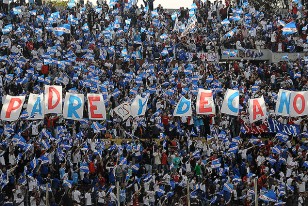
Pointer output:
x,y
76,194
88,198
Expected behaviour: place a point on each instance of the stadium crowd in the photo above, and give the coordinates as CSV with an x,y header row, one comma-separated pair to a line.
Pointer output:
x,y
154,158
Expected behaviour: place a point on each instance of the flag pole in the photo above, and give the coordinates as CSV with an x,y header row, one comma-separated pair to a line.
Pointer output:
x,y
118,192
188,195
47,195
256,190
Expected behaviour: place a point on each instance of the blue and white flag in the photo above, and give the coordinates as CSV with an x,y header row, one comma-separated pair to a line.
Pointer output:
x,y
55,15
154,13
40,18
123,161
135,168
68,183
276,149
17,10
7,29
84,167
97,126
225,22
231,33
281,23
62,29
216,163
282,137
85,27
235,18
269,196
33,163
289,28
161,191
71,4
197,154
305,164
32,12
228,187
44,159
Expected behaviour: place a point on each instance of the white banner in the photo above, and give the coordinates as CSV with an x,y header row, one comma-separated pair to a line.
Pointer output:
x,y
73,106
205,103
12,107
123,110
299,104
139,106
183,108
256,109
35,106
96,106
210,57
53,99
231,102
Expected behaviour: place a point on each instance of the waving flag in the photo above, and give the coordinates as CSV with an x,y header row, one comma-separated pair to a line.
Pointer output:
x,y
7,29
161,191
40,18
85,27
34,163
71,4
135,168
281,23
97,126
228,187
123,161
282,137
63,29
17,10
44,159
55,15
32,12
216,163
235,18
231,33
276,149
68,183
84,167
269,196
225,22
289,28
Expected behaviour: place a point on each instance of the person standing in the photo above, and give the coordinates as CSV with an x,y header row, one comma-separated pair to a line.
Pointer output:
x,y
88,198
5,6
101,197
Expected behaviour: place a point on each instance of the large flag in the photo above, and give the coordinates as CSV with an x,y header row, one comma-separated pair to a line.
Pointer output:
x,y
289,28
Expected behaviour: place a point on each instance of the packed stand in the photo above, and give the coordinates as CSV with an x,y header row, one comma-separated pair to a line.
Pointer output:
x,y
131,51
